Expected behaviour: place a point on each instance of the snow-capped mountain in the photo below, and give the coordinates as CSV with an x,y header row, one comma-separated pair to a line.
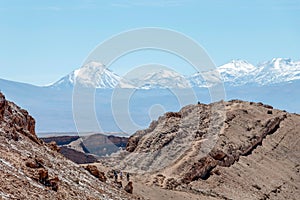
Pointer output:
x,y
276,71
240,72
96,75
93,74
234,73
162,78
237,72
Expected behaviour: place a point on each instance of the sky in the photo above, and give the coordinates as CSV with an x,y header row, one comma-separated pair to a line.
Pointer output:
x,y
42,41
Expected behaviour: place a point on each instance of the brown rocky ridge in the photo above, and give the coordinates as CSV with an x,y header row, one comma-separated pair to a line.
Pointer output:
x,y
224,150
30,169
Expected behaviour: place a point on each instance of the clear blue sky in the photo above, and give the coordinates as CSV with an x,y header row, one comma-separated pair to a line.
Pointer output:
x,y
43,40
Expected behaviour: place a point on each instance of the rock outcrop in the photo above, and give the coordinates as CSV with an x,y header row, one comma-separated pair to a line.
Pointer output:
x,y
29,169
129,187
2,105
77,156
60,140
95,172
14,119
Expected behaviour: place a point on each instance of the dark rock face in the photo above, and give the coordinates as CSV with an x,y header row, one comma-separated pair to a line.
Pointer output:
x,y
54,182
34,163
201,169
60,140
76,156
53,146
16,120
118,184
135,138
133,142
129,188
173,114
95,172
2,105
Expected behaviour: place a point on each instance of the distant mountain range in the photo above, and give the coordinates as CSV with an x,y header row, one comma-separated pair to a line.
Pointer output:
x,y
274,82
234,73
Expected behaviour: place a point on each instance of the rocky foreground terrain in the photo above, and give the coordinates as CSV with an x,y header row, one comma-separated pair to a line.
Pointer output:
x,y
225,150
30,169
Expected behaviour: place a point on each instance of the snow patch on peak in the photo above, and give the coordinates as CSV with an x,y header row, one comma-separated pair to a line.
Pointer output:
x,y
281,60
92,74
237,66
276,63
96,75
237,71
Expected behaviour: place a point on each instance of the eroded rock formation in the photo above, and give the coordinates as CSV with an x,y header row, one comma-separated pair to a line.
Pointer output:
x,y
218,149
95,172
29,169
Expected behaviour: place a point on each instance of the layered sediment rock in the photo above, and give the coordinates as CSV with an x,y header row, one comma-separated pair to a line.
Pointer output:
x,y
219,149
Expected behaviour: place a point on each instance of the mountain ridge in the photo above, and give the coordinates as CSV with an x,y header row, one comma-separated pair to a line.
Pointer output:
x,y
222,150
235,73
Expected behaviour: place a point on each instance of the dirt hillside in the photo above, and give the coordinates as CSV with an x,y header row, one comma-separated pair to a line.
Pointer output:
x,y
224,150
